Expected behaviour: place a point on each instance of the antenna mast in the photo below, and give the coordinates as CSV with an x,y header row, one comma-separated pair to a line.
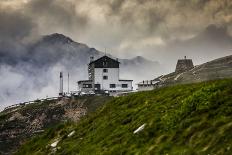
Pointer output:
x,y
61,84
68,83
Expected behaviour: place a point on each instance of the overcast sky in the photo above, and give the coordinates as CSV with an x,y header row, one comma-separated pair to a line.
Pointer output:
x,y
126,28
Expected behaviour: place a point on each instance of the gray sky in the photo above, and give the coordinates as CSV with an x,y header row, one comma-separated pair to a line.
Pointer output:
x,y
125,28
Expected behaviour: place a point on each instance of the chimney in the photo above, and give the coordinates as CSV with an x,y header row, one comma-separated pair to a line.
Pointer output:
x,y
61,84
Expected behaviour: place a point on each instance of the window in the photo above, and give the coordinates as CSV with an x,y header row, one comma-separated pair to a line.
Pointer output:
x,y
112,85
104,63
124,85
87,85
97,86
105,70
105,77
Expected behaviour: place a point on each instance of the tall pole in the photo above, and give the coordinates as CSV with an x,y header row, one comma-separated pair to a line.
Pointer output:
x,y
68,83
61,84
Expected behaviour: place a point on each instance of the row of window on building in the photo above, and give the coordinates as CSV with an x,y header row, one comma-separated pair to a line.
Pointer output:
x,y
122,85
111,85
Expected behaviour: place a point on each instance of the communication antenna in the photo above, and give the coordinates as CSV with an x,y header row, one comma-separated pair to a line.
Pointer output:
x,y
68,83
61,84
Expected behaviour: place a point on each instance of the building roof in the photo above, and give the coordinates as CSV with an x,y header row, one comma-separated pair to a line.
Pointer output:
x,y
105,62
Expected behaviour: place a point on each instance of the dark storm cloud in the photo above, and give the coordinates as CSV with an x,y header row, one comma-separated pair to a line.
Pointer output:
x,y
56,15
156,16
141,18
14,25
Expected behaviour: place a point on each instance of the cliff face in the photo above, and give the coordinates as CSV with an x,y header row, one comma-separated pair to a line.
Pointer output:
x,y
16,125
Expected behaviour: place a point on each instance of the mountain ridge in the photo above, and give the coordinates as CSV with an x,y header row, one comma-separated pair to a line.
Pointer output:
x,y
216,69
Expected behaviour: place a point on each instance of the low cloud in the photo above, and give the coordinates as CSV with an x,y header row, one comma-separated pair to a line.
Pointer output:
x,y
14,25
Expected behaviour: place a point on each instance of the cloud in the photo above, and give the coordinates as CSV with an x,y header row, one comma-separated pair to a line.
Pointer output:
x,y
111,22
14,25
57,16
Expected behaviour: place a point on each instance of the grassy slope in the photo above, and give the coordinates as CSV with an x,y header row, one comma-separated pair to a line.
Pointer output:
x,y
184,119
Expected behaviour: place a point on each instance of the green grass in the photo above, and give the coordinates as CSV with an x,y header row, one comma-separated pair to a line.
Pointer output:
x,y
184,119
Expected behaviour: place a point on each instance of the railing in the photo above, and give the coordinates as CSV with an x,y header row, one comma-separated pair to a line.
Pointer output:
x,y
30,102
55,98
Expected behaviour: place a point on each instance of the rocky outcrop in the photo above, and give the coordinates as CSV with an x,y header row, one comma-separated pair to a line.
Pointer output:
x,y
184,65
26,121
217,69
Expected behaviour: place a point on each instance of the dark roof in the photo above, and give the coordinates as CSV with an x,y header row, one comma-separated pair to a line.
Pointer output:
x,y
105,62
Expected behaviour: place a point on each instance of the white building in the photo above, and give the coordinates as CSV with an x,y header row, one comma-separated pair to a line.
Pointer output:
x,y
104,76
148,85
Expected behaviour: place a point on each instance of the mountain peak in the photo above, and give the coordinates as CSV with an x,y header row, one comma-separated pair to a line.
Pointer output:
x,y
57,38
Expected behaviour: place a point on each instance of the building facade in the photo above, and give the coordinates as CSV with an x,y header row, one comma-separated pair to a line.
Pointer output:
x,y
147,85
104,76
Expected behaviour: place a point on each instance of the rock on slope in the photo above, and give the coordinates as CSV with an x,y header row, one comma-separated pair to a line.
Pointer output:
x,y
18,124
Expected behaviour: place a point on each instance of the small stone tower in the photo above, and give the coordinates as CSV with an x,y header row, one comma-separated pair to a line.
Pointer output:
x,y
184,65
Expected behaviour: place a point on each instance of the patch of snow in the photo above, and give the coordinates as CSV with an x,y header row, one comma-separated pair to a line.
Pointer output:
x,y
55,143
139,129
71,134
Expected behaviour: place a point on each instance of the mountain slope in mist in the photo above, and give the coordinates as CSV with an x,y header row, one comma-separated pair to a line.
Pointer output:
x,y
31,71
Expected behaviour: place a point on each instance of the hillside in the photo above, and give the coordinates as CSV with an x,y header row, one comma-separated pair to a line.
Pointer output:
x,y
23,122
217,69
183,119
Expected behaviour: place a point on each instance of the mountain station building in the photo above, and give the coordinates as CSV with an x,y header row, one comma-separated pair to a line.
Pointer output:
x,y
104,76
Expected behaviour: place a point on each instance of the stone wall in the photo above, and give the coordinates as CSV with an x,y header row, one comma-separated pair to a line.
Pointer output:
x,y
184,65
